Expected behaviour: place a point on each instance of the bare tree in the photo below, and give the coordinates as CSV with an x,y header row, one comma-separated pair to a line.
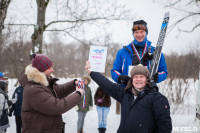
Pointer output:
x,y
181,69
40,27
3,12
70,58
72,16
187,9
15,58
183,66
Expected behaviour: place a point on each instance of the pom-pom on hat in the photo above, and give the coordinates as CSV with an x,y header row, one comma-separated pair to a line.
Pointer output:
x,y
140,25
41,62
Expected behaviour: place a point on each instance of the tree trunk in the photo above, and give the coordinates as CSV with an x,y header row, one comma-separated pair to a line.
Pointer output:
x,y
3,12
37,36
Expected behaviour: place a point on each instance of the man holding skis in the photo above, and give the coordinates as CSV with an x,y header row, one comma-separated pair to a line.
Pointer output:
x,y
139,51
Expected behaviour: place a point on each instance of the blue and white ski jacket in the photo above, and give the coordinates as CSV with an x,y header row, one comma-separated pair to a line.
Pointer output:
x,y
124,60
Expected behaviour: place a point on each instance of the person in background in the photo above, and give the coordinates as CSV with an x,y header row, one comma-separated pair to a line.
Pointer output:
x,y
139,51
5,103
103,103
16,108
85,105
143,108
44,101
4,123
4,82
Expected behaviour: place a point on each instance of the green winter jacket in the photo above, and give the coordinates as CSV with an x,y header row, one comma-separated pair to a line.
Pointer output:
x,y
88,100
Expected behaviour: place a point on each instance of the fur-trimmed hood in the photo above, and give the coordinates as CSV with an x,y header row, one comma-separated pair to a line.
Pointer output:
x,y
34,75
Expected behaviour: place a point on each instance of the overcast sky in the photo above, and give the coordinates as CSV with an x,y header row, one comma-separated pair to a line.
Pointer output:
x,y
151,12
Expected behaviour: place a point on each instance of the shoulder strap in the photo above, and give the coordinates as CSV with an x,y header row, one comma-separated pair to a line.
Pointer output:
x,y
6,97
1,91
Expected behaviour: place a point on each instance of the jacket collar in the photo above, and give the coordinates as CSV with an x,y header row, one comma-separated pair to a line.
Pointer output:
x,y
146,90
130,47
34,75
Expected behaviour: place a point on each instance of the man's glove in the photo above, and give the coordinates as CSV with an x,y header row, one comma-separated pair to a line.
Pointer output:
x,y
9,103
146,56
123,79
155,77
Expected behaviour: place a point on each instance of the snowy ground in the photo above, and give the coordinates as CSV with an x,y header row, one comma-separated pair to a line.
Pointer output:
x,y
183,122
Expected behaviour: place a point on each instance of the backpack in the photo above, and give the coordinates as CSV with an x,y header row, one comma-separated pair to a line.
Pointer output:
x,y
4,116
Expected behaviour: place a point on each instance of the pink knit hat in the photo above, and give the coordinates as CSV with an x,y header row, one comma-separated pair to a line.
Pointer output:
x,y
41,62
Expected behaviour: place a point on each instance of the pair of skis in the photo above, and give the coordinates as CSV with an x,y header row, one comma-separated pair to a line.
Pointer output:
x,y
157,53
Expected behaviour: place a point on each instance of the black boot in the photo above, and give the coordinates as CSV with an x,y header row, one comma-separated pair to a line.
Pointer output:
x,y
103,130
99,130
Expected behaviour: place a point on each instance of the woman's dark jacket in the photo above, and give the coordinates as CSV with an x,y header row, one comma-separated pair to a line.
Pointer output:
x,y
99,96
17,106
148,113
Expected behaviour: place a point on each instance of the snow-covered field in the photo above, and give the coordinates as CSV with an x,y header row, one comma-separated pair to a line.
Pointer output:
x,y
183,119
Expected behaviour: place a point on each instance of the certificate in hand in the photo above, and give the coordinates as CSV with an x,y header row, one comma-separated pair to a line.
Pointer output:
x,y
97,58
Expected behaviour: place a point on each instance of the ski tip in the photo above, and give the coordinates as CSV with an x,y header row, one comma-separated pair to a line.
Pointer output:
x,y
166,15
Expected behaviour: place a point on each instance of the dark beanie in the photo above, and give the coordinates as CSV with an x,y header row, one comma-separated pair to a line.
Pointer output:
x,y
41,62
141,22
